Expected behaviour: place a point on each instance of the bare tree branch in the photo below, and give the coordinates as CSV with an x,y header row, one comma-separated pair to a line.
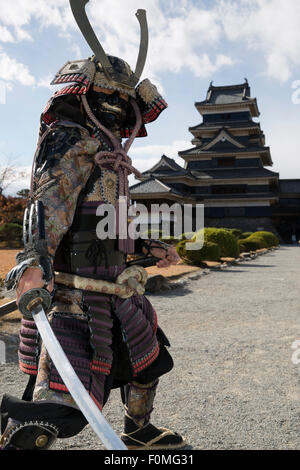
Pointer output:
x,y
9,174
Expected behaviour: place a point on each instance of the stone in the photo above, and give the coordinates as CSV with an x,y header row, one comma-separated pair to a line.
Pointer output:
x,y
228,260
158,283
194,277
212,264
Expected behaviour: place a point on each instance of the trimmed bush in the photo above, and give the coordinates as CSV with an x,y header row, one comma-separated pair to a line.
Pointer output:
x,y
242,247
249,245
245,235
181,249
187,235
267,239
235,231
227,242
209,252
11,234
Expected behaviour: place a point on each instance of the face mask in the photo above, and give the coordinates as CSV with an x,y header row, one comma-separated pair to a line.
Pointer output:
x,y
110,109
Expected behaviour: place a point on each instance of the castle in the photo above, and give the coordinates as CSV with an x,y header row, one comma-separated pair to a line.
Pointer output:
x,y
226,170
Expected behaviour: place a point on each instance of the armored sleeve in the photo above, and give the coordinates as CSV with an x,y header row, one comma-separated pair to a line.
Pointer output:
x,y
62,166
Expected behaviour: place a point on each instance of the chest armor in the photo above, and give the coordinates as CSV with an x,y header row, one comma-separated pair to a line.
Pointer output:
x,y
81,251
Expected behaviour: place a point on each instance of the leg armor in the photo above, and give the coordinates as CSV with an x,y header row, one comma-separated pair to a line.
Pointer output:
x,y
139,433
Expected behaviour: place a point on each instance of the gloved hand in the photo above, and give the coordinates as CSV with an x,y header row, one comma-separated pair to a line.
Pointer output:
x,y
30,279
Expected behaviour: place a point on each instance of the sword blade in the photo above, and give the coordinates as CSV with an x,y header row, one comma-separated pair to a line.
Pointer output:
x,y
87,406
8,308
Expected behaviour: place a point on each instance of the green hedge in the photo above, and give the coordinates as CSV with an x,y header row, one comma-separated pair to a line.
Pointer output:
x,y
227,242
257,240
247,244
245,235
235,231
187,235
267,239
209,252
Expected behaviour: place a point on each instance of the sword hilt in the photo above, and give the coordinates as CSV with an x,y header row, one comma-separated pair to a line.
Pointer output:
x,y
33,298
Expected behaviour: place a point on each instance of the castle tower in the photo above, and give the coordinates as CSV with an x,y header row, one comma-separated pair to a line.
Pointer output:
x,y
225,168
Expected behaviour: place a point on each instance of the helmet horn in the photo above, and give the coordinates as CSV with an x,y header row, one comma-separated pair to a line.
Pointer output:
x,y
79,13
141,16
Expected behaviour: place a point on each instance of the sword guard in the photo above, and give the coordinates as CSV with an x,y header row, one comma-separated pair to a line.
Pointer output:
x,y
31,299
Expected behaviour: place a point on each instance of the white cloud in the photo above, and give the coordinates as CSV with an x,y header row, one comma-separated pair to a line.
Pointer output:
x,y
5,35
145,157
270,27
184,35
143,153
179,37
284,152
175,28
44,82
18,14
11,71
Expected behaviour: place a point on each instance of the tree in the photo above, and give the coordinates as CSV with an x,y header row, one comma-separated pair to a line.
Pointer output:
x,y
11,209
9,174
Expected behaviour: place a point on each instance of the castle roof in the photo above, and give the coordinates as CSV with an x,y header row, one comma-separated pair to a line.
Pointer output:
x,y
228,96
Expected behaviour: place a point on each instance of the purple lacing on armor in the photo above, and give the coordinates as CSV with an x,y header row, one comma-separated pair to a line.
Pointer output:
x,y
122,163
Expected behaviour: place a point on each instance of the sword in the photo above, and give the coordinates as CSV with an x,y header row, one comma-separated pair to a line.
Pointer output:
x,y
8,308
146,262
33,305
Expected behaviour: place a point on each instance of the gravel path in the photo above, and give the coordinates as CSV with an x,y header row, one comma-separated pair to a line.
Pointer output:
x,y
234,385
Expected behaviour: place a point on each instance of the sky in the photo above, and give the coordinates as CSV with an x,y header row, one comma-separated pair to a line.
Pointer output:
x,y
191,43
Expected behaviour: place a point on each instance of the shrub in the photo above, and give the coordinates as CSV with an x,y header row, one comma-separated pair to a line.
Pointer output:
x,y
235,231
242,247
245,235
187,235
267,239
227,242
209,252
181,249
248,244
11,234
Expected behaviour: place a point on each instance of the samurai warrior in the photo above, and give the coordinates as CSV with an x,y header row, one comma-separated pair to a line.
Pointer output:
x,y
106,326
